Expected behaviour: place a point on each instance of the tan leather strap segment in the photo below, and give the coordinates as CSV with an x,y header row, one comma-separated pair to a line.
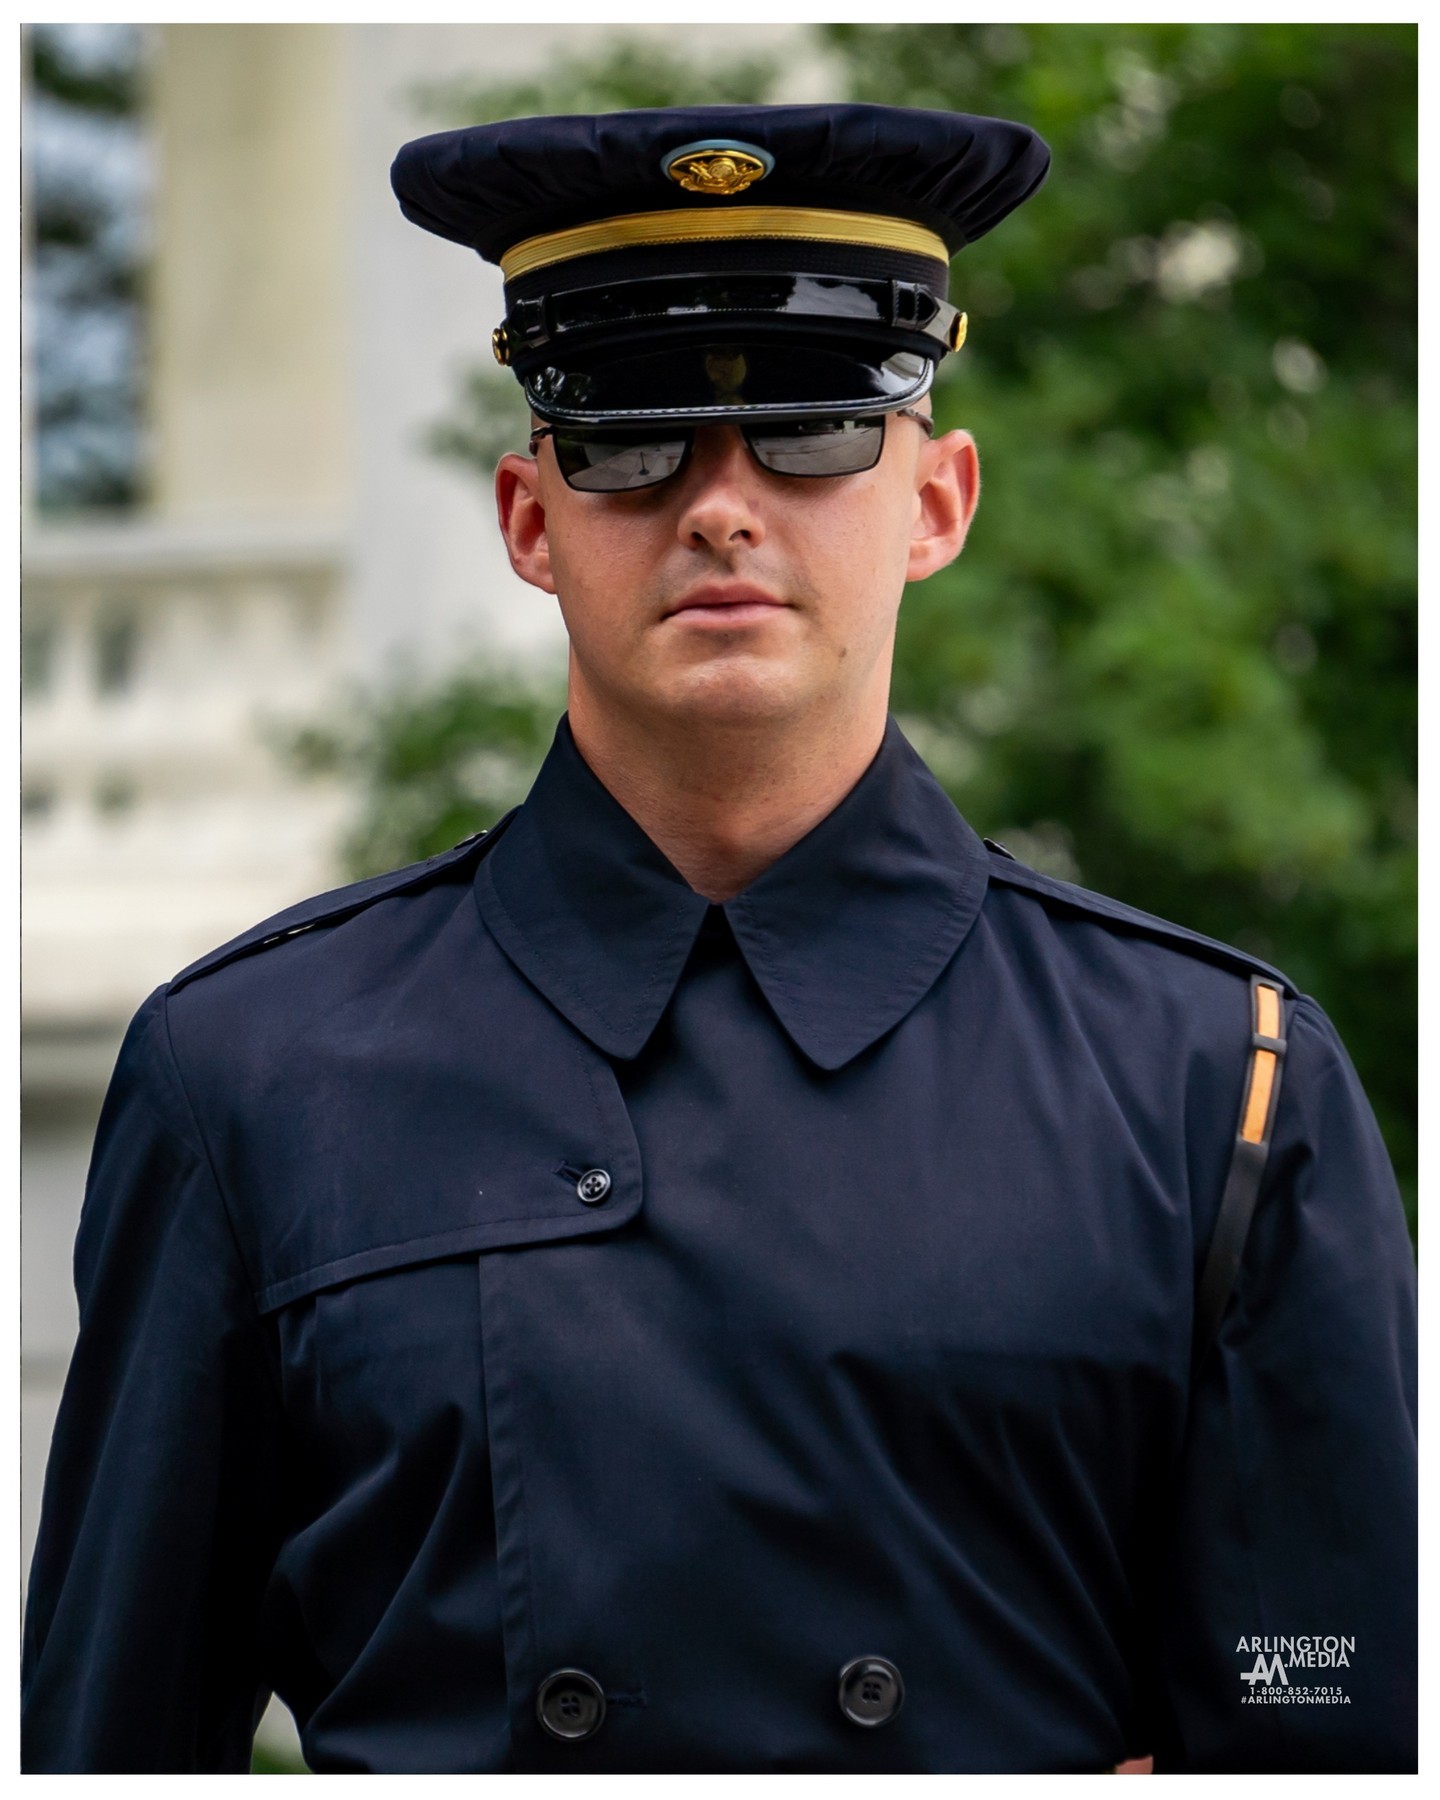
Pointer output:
x,y
1264,1063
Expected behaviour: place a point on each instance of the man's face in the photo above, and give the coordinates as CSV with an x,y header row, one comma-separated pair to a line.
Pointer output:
x,y
731,595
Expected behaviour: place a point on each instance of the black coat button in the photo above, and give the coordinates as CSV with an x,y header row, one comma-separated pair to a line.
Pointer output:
x,y
593,1186
871,1691
571,1705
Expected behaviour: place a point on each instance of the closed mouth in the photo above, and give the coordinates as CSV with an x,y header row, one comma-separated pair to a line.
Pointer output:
x,y
720,599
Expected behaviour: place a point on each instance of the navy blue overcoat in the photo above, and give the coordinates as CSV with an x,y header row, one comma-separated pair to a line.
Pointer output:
x,y
534,1319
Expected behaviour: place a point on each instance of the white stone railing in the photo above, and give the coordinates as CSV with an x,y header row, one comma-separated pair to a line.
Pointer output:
x,y
157,818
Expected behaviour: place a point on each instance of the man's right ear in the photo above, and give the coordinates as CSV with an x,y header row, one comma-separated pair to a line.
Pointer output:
x,y
522,520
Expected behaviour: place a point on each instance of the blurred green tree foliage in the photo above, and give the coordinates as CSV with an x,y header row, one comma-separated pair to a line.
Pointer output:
x,y
434,759
1176,661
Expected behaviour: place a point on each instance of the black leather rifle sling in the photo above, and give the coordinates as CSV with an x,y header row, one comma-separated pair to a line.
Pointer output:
x,y
1247,1164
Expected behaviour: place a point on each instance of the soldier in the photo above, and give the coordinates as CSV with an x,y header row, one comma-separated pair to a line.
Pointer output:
x,y
728,1270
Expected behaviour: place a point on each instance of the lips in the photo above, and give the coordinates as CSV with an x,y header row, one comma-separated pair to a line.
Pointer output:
x,y
716,599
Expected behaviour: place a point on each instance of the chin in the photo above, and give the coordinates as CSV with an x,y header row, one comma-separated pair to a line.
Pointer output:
x,y
736,697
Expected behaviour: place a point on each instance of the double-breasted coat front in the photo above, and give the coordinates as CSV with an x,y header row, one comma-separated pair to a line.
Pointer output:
x,y
534,1319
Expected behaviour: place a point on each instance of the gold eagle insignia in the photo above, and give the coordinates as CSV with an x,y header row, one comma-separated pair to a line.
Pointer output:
x,y
723,171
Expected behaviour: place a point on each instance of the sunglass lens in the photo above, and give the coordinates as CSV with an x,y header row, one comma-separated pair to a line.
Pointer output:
x,y
819,446
611,462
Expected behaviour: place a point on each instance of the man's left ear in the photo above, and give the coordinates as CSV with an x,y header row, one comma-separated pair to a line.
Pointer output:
x,y
947,490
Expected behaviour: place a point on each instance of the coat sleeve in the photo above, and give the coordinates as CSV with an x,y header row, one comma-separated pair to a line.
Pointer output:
x,y
1295,1515
159,1523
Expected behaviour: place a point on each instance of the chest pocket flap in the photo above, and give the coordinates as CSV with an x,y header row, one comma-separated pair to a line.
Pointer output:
x,y
393,1133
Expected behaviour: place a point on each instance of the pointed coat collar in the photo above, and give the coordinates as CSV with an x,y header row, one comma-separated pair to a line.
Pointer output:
x,y
843,934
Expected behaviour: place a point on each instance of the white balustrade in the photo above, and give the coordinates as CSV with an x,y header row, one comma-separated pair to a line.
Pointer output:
x,y
160,664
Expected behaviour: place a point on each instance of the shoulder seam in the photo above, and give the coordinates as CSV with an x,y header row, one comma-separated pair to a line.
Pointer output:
x,y
337,905
1181,937
158,1027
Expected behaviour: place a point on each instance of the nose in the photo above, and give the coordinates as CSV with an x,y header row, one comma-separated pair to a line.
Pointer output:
x,y
720,508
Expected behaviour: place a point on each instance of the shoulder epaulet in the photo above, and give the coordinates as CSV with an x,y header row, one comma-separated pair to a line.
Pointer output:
x,y
340,903
1007,871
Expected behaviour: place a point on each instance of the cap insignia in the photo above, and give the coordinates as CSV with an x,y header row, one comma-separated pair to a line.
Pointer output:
x,y
718,166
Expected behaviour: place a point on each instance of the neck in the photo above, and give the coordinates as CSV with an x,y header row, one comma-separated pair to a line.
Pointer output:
x,y
724,803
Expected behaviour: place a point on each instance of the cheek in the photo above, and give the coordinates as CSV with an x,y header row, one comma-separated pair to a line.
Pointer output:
x,y
601,580
865,572
592,568
863,553
586,542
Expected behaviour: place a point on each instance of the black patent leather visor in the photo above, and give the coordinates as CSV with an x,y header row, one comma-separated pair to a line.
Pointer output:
x,y
690,383
554,327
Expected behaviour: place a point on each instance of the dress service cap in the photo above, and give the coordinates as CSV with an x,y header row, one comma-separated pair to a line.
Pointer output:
x,y
694,263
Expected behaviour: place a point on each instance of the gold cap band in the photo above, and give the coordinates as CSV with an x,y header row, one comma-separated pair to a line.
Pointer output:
x,y
818,224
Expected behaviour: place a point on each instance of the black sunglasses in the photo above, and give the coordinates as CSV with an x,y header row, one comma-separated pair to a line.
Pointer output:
x,y
604,459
